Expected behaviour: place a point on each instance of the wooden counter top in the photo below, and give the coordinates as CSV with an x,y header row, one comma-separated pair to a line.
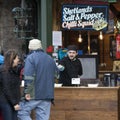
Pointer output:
x,y
101,72
84,87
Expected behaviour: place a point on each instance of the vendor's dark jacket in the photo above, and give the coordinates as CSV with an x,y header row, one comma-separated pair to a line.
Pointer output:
x,y
73,68
9,86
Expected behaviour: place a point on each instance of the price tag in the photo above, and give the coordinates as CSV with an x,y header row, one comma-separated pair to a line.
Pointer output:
x,y
76,81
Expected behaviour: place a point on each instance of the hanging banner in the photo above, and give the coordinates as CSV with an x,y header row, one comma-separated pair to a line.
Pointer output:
x,y
84,17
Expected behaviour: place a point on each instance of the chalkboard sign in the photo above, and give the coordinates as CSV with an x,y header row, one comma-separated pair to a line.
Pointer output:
x,y
90,66
84,17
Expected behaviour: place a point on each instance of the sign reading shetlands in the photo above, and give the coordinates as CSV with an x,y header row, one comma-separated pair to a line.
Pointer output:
x,y
84,17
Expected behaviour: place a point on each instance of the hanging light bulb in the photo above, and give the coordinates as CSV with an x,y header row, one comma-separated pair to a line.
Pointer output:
x,y
101,36
80,38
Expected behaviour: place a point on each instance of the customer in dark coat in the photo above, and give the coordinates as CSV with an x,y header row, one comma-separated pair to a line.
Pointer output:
x,y
70,66
9,86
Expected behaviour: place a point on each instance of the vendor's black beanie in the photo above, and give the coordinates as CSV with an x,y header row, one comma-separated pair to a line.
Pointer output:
x,y
72,47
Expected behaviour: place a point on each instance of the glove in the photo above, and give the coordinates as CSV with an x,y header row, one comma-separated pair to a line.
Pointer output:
x,y
60,67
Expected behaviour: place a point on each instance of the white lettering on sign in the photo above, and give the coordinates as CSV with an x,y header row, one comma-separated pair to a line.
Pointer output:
x,y
91,16
69,24
76,10
85,23
81,17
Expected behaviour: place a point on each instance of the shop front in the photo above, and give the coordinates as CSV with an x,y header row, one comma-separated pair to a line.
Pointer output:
x,y
93,27
89,21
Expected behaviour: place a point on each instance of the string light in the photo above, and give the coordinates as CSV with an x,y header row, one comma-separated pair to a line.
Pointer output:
x,y
80,38
101,36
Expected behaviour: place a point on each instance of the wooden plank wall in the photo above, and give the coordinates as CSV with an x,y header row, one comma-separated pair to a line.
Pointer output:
x,y
85,104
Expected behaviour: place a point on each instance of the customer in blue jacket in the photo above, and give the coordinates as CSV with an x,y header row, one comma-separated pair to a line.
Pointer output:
x,y
39,74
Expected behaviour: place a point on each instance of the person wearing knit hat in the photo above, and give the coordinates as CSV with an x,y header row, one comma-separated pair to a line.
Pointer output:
x,y
35,44
39,75
72,47
69,67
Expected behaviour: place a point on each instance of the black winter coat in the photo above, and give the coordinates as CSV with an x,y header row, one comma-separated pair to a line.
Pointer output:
x,y
73,69
9,87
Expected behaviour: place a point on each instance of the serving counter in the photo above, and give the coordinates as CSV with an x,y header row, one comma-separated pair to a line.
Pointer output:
x,y
84,103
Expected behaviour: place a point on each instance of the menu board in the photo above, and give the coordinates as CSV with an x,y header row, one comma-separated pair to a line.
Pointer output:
x,y
84,17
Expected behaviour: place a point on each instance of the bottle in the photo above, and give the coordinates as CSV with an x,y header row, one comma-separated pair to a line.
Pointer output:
x,y
113,79
107,81
118,80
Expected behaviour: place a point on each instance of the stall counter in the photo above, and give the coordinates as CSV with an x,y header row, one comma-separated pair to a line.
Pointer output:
x,y
84,103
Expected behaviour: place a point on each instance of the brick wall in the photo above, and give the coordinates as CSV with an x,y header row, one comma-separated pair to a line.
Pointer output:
x,y
7,36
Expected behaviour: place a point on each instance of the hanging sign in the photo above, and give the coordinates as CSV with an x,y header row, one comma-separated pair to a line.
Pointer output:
x,y
84,17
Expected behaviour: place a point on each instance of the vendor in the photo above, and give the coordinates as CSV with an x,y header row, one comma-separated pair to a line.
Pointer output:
x,y
70,66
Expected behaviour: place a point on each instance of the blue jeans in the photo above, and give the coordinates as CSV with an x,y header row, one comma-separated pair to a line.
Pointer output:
x,y
41,107
8,111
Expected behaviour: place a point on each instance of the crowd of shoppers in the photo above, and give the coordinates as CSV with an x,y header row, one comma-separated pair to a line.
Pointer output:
x,y
39,76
